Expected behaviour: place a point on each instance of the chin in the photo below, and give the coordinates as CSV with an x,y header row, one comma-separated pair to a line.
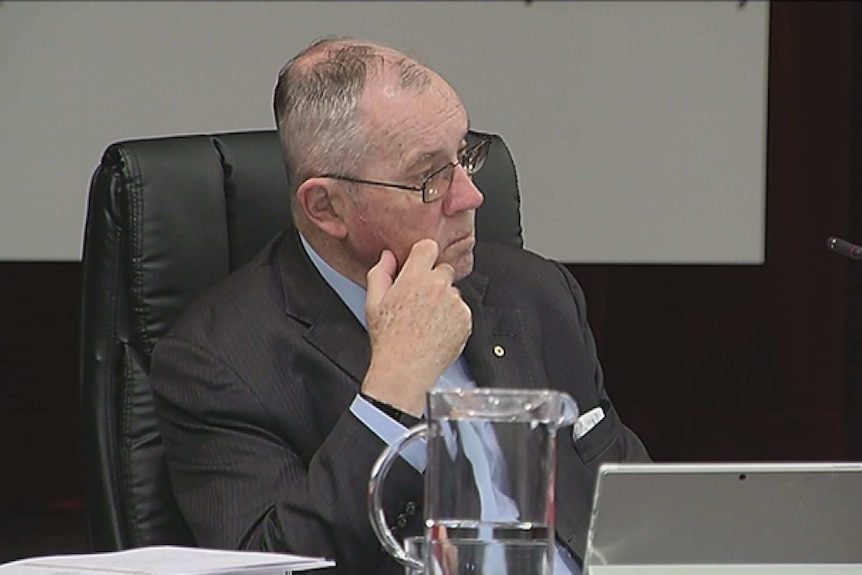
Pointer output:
x,y
463,266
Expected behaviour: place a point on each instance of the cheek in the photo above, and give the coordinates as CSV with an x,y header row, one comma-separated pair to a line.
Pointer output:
x,y
372,231
365,240
393,228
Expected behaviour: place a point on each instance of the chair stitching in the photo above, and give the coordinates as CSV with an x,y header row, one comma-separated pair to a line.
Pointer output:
x,y
131,173
132,509
105,374
136,206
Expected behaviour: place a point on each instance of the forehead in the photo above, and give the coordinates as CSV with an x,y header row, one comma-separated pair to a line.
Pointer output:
x,y
407,123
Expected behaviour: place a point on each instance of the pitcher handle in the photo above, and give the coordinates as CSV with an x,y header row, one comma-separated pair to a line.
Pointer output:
x,y
375,496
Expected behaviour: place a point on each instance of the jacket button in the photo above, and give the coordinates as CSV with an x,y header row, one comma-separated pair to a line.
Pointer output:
x,y
410,508
402,521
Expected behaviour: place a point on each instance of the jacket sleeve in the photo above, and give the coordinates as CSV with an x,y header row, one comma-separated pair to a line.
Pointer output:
x,y
628,446
240,485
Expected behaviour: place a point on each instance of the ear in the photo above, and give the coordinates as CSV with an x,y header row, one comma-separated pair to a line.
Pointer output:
x,y
323,206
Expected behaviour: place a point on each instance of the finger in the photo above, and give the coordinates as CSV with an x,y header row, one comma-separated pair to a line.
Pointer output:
x,y
449,553
446,270
423,255
379,278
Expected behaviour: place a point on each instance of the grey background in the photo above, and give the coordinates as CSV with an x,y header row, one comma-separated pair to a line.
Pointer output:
x,y
638,128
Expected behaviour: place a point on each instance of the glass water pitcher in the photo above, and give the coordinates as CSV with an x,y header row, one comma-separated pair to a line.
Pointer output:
x,y
489,482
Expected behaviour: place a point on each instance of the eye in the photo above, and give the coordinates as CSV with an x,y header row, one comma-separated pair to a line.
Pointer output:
x,y
423,171
425,174
433,172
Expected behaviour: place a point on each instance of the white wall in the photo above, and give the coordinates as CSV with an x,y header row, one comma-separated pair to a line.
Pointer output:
x,y
638,128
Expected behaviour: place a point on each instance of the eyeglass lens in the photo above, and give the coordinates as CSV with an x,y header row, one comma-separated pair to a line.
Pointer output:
x,y
471,159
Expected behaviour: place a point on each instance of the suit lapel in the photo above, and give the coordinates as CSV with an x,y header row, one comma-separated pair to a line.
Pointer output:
x,y
332,328
497,352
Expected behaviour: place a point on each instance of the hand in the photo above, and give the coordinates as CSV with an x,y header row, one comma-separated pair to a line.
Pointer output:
x,y
418,325
443,553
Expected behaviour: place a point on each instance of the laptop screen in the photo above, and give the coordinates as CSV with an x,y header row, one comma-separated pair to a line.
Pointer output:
x,y
726,513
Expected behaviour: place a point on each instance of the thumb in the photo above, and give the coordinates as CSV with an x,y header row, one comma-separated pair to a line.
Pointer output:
x,y
380,278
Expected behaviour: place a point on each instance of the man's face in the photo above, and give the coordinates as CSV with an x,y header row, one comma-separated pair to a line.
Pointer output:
x,y
414,134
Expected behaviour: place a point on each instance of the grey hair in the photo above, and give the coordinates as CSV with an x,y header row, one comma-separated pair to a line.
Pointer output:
x,y
316,105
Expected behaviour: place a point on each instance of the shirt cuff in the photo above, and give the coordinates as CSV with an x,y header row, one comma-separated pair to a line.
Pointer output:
x,y
389,430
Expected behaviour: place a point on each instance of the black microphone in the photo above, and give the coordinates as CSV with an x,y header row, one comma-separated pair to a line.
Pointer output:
x,y
844,248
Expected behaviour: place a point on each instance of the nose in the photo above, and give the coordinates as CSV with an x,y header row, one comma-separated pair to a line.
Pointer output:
x,y
463,194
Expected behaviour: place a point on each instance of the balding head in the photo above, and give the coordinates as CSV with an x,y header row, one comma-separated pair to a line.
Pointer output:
x,y
317,104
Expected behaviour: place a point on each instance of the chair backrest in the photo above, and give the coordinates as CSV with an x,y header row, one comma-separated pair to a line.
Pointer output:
x,y
168,218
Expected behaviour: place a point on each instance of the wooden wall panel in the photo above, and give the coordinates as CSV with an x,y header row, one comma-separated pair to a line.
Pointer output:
x,y
39,419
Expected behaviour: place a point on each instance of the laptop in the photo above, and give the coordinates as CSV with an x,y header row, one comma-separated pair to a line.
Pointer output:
x,y
725,514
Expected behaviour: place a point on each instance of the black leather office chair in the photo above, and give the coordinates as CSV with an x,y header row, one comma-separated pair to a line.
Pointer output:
x,y
168,218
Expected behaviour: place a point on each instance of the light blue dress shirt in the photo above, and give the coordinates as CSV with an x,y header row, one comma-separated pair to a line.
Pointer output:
x,y
455,376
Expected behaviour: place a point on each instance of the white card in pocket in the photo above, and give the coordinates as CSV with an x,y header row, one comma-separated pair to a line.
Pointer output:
x,y
586,422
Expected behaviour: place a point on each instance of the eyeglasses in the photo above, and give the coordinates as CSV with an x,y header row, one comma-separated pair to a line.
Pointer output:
x,y
437,184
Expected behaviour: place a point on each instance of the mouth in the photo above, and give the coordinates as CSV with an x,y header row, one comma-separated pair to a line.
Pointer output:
x,y
468,239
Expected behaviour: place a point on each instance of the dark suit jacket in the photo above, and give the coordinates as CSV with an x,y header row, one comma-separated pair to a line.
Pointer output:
x,y
254,383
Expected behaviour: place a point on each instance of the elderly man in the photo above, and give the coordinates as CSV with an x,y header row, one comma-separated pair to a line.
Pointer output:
x,y
278,389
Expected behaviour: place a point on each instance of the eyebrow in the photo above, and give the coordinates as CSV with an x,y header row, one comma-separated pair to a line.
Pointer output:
x,y
438,152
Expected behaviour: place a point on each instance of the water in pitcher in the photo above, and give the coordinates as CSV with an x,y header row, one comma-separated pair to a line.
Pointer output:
x,y
489,548
490,512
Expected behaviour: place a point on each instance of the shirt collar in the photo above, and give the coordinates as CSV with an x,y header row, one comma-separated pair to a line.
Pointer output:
x,y
352,294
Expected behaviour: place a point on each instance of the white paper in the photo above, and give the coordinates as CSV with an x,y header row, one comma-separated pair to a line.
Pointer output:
x,y
166,560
